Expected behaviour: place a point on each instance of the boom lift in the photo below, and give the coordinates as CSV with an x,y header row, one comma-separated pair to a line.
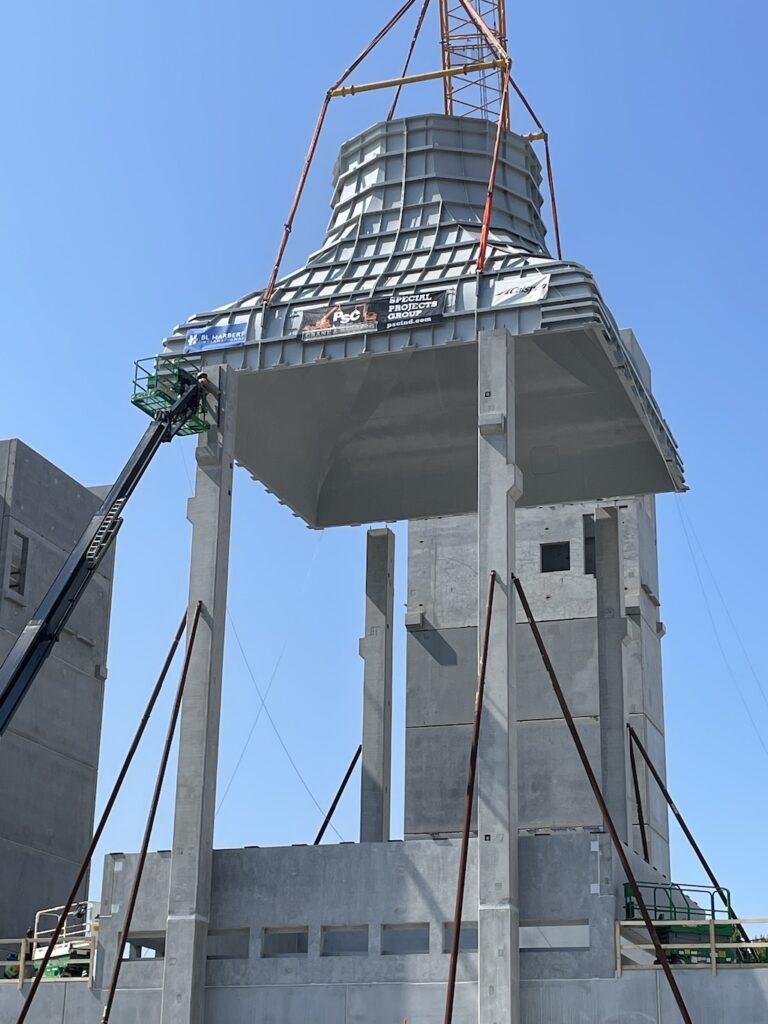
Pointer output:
x,y
174,394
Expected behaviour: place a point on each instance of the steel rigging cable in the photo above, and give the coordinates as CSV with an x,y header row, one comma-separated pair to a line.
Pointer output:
x,y
716,635
263,697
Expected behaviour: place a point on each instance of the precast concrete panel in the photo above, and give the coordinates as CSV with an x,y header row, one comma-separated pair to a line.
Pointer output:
x,y
47,717
437,761
46,500
551,524
272,1004
49,754
554,790
66,795
557,596
652,677
640,996
386,1004
572,646
442,575
442,676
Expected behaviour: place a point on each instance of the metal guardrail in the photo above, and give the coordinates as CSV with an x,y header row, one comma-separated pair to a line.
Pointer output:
x,y
677,901
159,381
72,958
719,952
17,965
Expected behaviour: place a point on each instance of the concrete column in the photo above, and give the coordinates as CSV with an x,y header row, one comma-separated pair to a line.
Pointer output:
x,y
209,511
611,631
499,487
376,652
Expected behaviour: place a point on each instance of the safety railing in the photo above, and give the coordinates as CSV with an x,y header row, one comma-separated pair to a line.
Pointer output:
x,y
18,966
691,943
676,901
160,380
72,958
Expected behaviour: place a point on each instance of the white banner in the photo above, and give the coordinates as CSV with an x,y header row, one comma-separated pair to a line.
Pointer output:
x,y
520,290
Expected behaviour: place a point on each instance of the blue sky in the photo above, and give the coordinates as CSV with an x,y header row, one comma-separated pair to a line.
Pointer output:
x,y
151,153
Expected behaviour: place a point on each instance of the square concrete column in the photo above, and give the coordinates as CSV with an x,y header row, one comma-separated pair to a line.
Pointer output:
x,y
499,487
209,511
376,652
611,633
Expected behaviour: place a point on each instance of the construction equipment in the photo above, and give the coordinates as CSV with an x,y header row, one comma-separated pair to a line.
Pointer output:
x,y
676,903
174,394
72,955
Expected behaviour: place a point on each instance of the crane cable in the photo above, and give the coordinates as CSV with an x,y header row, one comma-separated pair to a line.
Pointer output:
x,y
263,697
99,829
715,631
263,707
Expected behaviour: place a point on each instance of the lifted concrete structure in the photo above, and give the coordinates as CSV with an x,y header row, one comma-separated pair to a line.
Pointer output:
x,y
356,426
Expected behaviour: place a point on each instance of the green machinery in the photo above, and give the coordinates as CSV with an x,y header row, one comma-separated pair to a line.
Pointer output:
x,y
688,903
174,393
159,381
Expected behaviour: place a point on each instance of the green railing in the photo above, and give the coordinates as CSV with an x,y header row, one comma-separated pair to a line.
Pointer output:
x,y
671,901
159,381
691,920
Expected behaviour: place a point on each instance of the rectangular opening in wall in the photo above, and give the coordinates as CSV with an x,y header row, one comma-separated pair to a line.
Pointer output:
x,y
285,942
344,940
556,557
144,946
228,943
402,939
559,935
467,936
589,545
17,575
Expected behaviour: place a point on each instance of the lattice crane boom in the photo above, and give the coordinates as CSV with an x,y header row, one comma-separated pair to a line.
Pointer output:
x,y
478,93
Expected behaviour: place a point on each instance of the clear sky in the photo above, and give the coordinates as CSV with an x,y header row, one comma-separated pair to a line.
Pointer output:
x,y
151,151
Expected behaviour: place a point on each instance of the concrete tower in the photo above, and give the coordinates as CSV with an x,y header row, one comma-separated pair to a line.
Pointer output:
x,y
49,756
604,642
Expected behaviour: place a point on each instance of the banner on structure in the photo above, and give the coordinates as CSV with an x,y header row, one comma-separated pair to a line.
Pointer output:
x,y
339,318
387,314
411,309
520,290
200,339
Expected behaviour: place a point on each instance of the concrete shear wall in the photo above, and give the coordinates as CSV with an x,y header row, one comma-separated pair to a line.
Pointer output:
x,y
442,660
49,756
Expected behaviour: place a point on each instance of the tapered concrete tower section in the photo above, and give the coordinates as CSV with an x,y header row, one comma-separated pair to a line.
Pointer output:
x,y
376,651
209,511
498,488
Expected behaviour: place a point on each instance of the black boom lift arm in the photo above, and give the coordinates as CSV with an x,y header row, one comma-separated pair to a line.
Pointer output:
x,y
18,671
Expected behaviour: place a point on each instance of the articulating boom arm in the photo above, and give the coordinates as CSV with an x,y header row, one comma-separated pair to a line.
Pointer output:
x,y
18,671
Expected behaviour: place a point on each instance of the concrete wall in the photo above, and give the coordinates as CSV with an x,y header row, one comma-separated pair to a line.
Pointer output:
x,y
642,996
568,878
369,884
49,755
442,665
